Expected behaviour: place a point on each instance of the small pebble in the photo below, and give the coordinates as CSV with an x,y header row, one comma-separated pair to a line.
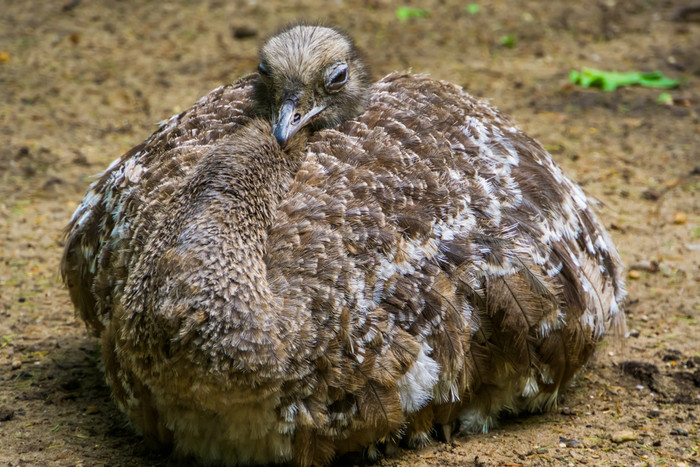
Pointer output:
x,y
680,218
678,431
634,274
6,414
567,411
243,32
623,436
569,443
648,266
693,362
650,194
16,364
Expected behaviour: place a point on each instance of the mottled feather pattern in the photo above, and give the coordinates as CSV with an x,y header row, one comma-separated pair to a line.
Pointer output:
x,y
149,171
424,263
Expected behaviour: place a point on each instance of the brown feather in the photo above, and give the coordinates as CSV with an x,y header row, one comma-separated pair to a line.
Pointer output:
x,y
408,258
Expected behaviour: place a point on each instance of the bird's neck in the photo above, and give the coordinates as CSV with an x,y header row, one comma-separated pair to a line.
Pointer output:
x,y
238,200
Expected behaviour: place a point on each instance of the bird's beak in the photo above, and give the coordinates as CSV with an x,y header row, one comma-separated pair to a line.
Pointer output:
x,y
289,120
285,125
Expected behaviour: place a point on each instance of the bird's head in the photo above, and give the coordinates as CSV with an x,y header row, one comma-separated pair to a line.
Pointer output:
x,y
310,76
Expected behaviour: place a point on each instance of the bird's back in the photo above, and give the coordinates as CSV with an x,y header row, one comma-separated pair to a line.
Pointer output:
x,y
475,273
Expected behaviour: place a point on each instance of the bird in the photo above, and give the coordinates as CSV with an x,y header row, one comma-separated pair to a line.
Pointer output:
x,y
306,264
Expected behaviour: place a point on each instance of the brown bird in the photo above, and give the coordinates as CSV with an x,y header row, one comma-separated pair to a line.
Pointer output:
x,y
304,264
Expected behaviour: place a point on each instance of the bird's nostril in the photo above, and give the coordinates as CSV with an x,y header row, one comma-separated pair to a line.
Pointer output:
x,y
297,117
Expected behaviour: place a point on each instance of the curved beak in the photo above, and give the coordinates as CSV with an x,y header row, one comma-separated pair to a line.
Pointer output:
x,y
289,120
284,126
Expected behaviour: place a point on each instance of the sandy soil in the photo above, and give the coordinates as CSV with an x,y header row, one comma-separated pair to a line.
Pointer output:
x,y
82,82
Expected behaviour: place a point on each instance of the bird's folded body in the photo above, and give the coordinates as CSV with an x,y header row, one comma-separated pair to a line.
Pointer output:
x,y
284,289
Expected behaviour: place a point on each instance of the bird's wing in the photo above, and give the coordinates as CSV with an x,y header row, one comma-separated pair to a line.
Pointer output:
x,y
440,251
99,241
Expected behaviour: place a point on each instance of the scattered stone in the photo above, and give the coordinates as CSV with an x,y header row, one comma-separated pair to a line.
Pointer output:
x,y
243,32
81,160
654,413
678,431
6,414
651,194
623,436
16,364
648,266
672,356
23,152
634,333
693,362
569,442
74,38
680,218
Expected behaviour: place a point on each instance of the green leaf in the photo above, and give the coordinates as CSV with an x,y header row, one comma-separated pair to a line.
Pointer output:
x,y
407,12
507,41
665,99
473,8
611,80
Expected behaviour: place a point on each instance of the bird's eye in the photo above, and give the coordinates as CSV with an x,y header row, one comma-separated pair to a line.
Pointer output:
x,y
336,77
263,70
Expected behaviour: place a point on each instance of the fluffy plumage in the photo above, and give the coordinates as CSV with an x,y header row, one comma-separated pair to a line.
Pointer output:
x,y
419,268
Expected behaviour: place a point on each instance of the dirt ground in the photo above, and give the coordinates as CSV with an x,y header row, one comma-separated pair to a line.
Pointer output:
x,y
82,82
